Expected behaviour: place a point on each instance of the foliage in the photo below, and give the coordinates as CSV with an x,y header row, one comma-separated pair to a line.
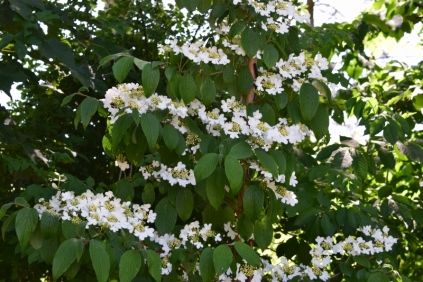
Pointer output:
x,y
217,156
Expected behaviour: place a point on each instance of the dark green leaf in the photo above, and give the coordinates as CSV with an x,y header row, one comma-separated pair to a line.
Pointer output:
x,y
67,99
170,136
187,88
49,224
309,101
88,109
119,129
245,81
154,265
248,253
206,166
66,254
378,277
184,203
166,216
151,128
100,260
411,150
270,56
222,259
253,202
215,187
150,79
327,225
129,265
206,265
390,132
25,224
263,233
234,173
208,91
320,122
267,162
241,150
250,42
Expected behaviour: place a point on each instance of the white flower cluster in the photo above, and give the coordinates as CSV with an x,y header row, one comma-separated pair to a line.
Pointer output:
x,y
297,67
197,52
177,175
282,10
103,210
325,248
230,118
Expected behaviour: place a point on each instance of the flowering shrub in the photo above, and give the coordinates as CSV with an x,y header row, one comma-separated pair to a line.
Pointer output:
x,y
218,146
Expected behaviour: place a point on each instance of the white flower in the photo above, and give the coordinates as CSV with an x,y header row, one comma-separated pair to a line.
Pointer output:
x,y
293,180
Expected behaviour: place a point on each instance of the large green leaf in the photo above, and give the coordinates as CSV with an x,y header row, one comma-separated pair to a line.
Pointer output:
x,y
250,42
222,259
215,187
184,203
170,136
267,162
241,150
166,216
208,91
154,265
25,224
100,260
206,166
129,265
309,101
119,129
253,202
88,109
234,173
248,253
66,254
49,224
206,265
122,67
245,81
270,56
263,233
187,88
151,128
150,79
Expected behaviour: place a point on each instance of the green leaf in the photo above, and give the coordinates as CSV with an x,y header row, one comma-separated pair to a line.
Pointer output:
x,y
390,132
204,6
327,225
222,259
245,227
49,224
22,202
207,91
309,101
187,88
234,173
124,190
151,128
4,209
100,260
170,136
140,63
88,109
250,42
166,216
150,79
280,159
253,202
184,203
122,67
378,277
25,224
245,81
237,28
281,100
320,122
154,265
148,194
362,260
191,5
66,254
228,74
129,265
119,129
386,157
67,99
206,265
215,187
108,58
270,56
267,162
241,150
248,253
263,233
206,166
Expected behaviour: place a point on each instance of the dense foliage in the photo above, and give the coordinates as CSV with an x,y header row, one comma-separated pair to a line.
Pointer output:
x,y
209,143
